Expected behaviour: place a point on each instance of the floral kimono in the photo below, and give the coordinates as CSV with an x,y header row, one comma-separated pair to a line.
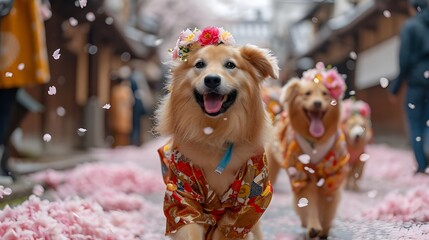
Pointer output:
x,y
189,198
329,171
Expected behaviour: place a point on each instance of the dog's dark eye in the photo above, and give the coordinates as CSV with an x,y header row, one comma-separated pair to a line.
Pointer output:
x,y
324,93
230,65
308,93
200,64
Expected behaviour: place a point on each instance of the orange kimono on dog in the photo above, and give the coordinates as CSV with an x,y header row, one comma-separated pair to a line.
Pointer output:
x,y
329,171
189,199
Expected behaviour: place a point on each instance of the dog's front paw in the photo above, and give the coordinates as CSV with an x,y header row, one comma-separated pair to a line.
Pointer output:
x,y
313,232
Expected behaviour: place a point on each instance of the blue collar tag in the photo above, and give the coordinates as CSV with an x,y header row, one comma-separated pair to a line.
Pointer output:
x,y
225,160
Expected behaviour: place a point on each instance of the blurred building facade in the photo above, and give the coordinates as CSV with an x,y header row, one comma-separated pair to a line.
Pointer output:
x,y
359,37
94,42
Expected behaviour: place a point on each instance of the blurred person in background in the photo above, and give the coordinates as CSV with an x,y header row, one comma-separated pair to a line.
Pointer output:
x,y
122,105
414,71
23,62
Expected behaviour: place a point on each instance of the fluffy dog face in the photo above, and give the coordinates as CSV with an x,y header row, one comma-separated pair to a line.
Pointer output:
x,y
313,113
218,87
357,130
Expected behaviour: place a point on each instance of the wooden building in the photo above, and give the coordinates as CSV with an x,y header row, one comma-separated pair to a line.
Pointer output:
x,y
93,41
360,38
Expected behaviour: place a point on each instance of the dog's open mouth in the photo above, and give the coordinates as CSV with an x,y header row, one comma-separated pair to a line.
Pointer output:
x,y
213,103
316,129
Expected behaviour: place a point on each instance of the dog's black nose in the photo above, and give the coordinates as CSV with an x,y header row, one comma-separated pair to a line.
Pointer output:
x,y
212,81
317,104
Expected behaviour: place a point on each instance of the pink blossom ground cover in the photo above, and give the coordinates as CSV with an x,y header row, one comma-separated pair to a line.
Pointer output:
x,y
120,197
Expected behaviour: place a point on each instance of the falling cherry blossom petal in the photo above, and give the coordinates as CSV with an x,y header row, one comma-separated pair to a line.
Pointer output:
x,y
304,158
384,82
56,55
302,202
208,130
320,182
21,66
8,74
333,103
106,106
353,55
426,74
411,106
387,13
364,157
73,21
47,137
82,3
38,190
90,16
52,90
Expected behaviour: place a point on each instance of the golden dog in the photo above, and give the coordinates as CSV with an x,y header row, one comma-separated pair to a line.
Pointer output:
x,y
357,127
214,111
310,146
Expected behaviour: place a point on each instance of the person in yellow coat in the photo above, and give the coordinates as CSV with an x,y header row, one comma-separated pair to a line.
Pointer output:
x,y
23,60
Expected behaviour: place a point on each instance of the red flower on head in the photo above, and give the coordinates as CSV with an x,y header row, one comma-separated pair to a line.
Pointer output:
x,y
209,35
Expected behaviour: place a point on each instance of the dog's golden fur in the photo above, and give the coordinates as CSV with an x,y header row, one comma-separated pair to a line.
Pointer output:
x,y
359,134
298,98
245,123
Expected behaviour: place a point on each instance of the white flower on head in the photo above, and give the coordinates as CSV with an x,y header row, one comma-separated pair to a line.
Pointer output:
x,y
226,37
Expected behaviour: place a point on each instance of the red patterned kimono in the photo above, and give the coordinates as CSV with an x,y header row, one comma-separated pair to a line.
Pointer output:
x,y
329,172
189,199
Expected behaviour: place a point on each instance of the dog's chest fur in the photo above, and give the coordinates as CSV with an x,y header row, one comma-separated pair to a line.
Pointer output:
x,y
316,151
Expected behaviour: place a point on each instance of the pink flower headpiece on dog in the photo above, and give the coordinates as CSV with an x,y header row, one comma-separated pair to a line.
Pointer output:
x,y
352,107
191,40
330,78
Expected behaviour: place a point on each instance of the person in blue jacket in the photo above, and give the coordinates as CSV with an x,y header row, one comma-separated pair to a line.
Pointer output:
x,y
414,72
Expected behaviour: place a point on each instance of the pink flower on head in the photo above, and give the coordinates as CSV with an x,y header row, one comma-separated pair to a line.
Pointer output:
x,y
363,108
175,53
334,83
209,35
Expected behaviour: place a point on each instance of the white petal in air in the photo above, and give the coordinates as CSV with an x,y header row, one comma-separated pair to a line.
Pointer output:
x,y
364,157
304,158
208,130
73,21
82,3
372,194
82,130
56,55
90,16
47,137
384,82
353,55
106,106
52,90
21,66
302,202
320,182
387,13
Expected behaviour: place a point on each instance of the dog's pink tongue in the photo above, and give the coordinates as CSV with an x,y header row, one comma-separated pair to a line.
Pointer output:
x,y
316,125
212,102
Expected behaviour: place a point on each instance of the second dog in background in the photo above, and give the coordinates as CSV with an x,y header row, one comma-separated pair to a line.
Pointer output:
x,y
356,124
311,147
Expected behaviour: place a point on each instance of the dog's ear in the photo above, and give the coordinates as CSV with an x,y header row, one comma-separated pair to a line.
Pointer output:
x,y
290,90
262,60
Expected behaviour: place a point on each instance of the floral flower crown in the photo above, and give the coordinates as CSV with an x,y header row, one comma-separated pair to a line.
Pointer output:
x,y
191,40
352,106
329,77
